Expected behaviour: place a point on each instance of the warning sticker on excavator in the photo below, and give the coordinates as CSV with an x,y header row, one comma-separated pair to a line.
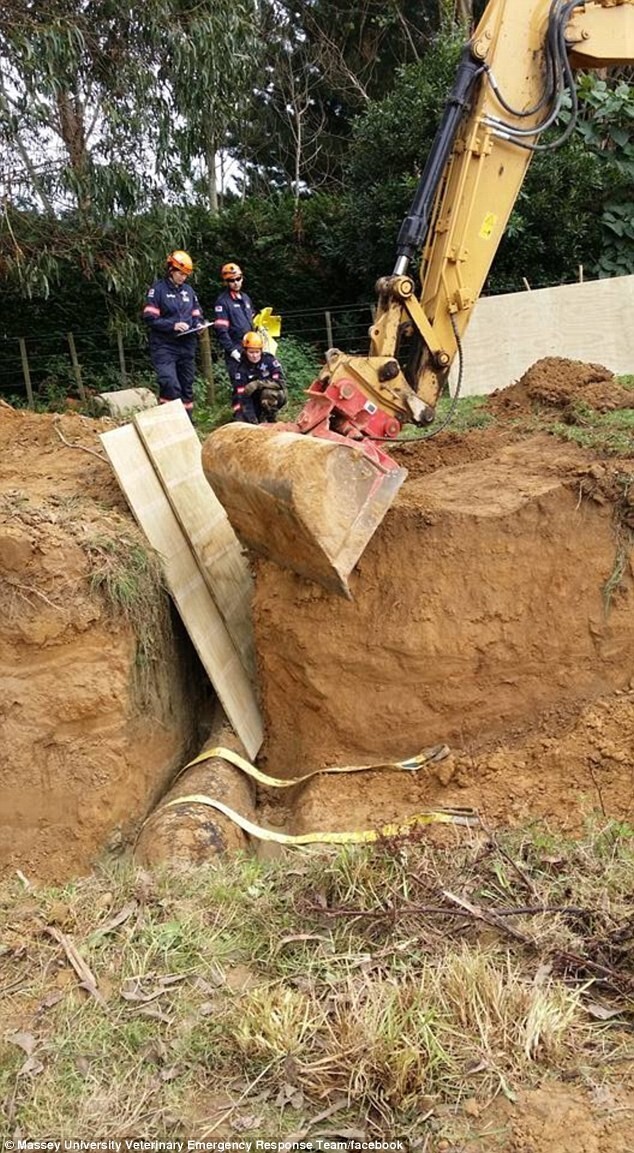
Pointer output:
x,y
488,226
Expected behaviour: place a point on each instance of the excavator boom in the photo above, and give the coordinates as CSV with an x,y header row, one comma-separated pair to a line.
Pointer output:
x,y
311,493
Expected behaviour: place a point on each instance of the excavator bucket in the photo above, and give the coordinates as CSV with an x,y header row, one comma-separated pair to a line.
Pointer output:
x,y
308,503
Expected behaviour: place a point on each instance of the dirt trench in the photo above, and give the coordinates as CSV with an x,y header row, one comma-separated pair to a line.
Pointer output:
x,y
94,719
492,611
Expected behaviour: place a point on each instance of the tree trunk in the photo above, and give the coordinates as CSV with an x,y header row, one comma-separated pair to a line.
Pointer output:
x,y
26,159
298,158
73,132
212,182
464,11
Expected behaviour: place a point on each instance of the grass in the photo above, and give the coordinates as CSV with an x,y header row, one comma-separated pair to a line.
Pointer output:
x,y
343,981
610,433
129,576
623,485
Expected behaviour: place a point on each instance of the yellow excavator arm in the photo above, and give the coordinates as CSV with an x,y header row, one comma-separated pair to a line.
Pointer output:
x,y
311,493
508,90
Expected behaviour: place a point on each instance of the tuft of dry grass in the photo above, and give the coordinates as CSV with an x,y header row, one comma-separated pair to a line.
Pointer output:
x,y
129,575
387,983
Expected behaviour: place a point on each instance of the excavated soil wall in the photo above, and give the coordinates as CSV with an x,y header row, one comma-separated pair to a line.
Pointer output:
x,y
91,727
479,604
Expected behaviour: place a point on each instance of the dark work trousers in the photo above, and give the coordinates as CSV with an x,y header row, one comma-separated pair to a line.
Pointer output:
x,y
175,366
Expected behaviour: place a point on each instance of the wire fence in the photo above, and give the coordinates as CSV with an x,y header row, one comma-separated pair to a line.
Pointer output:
x,y
111,359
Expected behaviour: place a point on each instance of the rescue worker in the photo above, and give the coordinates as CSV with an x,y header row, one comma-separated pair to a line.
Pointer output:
x,y
171,309
233,317
259,390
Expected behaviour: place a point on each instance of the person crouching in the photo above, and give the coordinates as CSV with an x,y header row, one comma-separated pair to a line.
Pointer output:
x,y
259,391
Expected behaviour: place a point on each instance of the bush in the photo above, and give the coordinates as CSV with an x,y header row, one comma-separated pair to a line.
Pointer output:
x,y
301,365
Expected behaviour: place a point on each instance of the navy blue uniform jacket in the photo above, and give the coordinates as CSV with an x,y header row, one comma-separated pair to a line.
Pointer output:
x,y
165,305
233,316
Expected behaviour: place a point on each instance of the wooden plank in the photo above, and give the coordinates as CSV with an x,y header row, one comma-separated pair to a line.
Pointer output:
x,y
591,321
192,598
174,450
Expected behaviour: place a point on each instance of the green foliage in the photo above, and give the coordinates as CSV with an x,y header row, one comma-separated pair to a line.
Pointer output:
x,y
607,129
603,432
89,270
120,101
300,363
309,91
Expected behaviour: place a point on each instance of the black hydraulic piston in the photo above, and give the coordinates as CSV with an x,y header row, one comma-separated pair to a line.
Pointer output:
x,y
415,225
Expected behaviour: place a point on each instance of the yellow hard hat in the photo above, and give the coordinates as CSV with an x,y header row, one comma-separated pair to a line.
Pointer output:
x,y
252,340
181,261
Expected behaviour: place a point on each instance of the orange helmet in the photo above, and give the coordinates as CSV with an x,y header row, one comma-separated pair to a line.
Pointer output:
x,y
252,340
181,261
228,271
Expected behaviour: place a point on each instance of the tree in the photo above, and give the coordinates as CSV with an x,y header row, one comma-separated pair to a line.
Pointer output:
x,y
332,57
110,105
607,115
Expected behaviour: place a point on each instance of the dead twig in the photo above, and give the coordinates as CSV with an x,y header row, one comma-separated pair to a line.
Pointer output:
x,y
597,787
620,981
221,1120
487,916
443,911
22,589
87,978
81,447
523,876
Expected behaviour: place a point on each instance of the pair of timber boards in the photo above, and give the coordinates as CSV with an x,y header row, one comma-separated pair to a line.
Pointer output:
x,y
157,463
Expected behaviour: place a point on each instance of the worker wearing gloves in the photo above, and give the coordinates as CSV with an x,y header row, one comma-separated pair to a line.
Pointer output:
x,y
259,390
171,309
233,316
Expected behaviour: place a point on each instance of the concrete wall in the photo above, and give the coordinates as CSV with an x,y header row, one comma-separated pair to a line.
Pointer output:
x,y
592,321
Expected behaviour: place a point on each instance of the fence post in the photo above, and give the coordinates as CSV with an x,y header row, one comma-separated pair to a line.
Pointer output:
x,y
26,372
329,330
122,368
76,368
207,366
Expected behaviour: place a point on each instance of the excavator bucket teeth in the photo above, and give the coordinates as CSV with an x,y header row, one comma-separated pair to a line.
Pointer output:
x,y
308,503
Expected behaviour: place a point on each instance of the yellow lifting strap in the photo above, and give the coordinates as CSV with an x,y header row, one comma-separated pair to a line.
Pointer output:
x,y
465,817
364,837
411,764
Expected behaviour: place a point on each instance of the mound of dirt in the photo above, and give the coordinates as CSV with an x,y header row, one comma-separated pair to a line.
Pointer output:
x,y
560,383
93,719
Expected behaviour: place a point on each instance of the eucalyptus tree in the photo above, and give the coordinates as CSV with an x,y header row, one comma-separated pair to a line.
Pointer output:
x,y
321,63
108,110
